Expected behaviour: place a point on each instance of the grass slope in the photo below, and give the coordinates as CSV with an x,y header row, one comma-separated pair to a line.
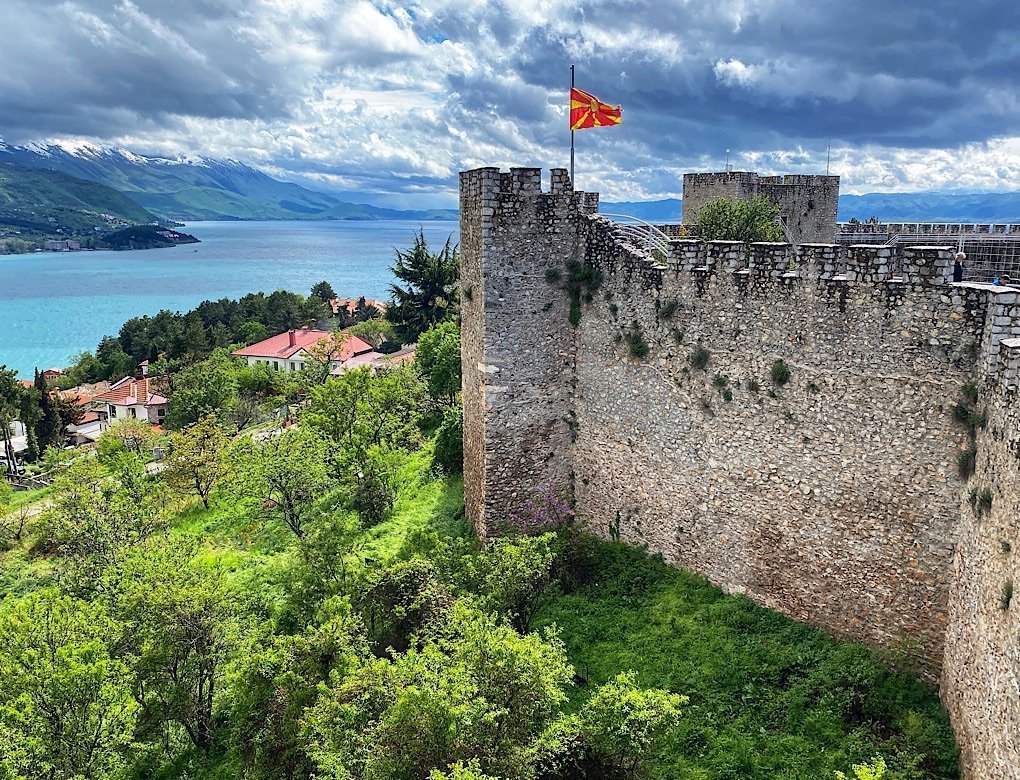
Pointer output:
x,y
769,697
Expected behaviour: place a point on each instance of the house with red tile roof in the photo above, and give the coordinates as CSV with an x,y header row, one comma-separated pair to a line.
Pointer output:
x,y
289,351
349,306
131,398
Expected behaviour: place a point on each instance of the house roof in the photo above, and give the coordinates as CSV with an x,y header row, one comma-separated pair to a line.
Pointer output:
x,y
289,343
83,394
350,305
130,391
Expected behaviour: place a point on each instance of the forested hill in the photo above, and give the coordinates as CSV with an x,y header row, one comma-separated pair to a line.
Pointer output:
x,y
199,189
36,200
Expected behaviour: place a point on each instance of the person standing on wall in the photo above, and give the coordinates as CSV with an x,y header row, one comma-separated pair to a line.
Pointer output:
x,y
958,267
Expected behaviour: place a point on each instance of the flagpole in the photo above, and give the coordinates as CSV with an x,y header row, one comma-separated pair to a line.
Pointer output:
x,y
569,97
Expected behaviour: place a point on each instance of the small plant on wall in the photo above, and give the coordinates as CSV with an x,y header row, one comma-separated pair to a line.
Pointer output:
x,y
1006,595
699,358
780,373
968,413
636,341
581,282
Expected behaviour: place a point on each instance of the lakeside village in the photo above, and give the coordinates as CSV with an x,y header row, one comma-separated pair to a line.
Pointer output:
x,y
354,334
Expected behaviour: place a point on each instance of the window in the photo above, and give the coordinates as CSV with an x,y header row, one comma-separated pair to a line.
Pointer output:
x,y
276,365
113,411
134,414
292,366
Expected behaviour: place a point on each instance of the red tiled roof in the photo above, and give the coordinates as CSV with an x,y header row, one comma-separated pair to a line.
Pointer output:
x,y
28,384
350,305
131,392
289,343
83,394
363,359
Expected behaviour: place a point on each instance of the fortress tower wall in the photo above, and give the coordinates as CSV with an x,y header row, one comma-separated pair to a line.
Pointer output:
x,y
808,204
517,348
833,496
702,188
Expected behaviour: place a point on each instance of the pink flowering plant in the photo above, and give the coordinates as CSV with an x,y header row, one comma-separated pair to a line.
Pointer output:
x,y
546,510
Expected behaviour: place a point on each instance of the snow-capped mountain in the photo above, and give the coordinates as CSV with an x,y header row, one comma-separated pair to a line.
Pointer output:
x,y
195,188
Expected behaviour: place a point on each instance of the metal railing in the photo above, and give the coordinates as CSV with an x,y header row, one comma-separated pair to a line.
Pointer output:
x,y
640,234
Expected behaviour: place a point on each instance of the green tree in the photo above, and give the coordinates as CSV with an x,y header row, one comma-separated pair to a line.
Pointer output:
x,y
124,435
739,220
375,331
322,354
195,460
48,430
359,410
449,448
276,678
10,404
207,387
621,724
184,624
477,690
323,291
428,294
94,514
66,709
285,473
438,356
511,574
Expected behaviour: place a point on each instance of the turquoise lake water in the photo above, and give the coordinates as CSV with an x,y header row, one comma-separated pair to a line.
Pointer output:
x,y
54,306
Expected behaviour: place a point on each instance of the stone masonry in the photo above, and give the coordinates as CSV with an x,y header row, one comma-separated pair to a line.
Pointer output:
x,y
833,496
808,204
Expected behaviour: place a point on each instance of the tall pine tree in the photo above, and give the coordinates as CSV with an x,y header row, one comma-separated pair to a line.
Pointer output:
x,y
47,421
429,294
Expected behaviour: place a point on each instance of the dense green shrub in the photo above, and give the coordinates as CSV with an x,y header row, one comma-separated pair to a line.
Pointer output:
x,y
699,358
448,455
780,373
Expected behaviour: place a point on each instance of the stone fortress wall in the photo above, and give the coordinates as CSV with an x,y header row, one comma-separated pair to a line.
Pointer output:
x,y
833,497
808,204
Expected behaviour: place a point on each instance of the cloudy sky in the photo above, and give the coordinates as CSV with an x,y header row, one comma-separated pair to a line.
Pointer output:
x,y
389,100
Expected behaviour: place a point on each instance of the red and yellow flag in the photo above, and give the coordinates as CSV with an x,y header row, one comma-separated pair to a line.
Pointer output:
x,y
586,111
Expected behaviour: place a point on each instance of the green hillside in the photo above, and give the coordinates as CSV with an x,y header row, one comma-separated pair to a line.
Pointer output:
x,y
39,201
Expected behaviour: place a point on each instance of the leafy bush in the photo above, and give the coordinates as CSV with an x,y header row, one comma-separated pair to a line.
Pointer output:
x,y
448,455
699,358
636,342
373,497
780,373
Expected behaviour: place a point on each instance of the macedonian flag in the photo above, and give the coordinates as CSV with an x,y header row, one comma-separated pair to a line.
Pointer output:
x,y
588,111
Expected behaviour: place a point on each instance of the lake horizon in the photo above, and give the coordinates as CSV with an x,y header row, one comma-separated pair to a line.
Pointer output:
x,y
56,305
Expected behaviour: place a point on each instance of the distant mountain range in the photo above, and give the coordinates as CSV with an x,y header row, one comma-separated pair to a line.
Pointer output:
x,y
37,204
931,206
201,189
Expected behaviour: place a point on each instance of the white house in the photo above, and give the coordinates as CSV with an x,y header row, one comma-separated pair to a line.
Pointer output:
x,y
133,399
289,351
